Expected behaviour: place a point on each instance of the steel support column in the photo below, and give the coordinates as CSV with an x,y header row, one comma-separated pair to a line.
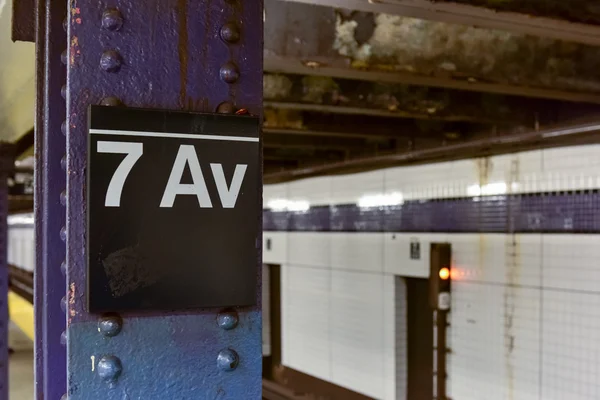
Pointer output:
x,y
173,54
49,202
6,164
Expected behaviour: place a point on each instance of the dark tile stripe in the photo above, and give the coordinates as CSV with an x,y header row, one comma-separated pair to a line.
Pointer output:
x,y
562,212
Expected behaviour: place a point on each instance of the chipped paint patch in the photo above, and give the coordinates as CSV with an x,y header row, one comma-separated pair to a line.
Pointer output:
x,y
93,358
71,307
465,52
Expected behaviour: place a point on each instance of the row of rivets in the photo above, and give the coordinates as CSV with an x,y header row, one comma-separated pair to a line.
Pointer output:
x,y
230,33
110,60
109,367
227,359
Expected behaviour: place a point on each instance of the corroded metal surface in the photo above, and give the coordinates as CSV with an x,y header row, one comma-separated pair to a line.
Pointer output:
x,y
407,101
461,53
170,55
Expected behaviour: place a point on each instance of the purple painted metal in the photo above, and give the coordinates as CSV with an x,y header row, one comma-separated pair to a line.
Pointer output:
x,y
171,57
50,146
6,164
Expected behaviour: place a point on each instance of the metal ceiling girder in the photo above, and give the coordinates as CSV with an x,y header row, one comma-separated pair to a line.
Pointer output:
x,y
559,136
473,16
310,39
172,54
357,97
23,20
338,69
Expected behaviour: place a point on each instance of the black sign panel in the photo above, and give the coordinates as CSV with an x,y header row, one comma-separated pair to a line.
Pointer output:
x,y
173,209
415,249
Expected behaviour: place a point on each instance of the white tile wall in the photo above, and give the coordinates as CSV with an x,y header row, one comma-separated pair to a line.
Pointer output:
x,y
570,348
310,249
21,248
357,316
357,251
277,254
307,305
525,308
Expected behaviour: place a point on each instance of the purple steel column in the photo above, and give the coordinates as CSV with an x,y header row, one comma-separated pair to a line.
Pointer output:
x,y
173,54
6,164
50,147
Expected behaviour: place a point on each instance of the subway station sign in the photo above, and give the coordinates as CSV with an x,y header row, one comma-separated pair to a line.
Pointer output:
x,y
173,209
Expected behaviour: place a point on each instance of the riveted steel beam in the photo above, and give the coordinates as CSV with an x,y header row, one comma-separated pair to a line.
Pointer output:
x,y
23,20
49,202
7,154
490,18
358,97
328,42
176,55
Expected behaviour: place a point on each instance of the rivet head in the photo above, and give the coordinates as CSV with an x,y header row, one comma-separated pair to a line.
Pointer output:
x,y
230,33
63,197
63,304
111,101
227,319
63,162
63,268
63,234
63,91
64,397
112,19
110,61
227,360
63,128
63,57
109,368
229,73
226,107
110,325
63,338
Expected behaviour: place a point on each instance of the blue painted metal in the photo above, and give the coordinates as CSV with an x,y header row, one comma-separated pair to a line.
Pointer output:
x,y
171,56
50,146
6,161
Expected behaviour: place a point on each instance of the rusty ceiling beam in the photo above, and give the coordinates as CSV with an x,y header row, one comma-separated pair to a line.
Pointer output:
x,y
468,149
329,109
338,134
358,97
473,16
339,69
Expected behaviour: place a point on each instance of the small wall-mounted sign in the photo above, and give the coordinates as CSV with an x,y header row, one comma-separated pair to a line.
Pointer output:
x,y
415,249
173,209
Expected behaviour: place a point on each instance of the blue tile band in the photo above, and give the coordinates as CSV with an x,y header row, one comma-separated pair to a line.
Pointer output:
x,y
559,212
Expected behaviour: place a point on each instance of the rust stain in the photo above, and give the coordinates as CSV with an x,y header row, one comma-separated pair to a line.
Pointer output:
x,y
183,51
75,52
513,266
71,307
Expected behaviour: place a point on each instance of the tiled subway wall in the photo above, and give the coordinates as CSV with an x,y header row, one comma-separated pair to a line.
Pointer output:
x,y
21,244
524,230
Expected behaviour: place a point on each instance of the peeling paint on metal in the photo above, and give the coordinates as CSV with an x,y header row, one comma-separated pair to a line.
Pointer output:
x,y
465,52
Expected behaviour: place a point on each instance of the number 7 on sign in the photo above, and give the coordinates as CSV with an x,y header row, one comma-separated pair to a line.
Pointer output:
x,y
134,151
